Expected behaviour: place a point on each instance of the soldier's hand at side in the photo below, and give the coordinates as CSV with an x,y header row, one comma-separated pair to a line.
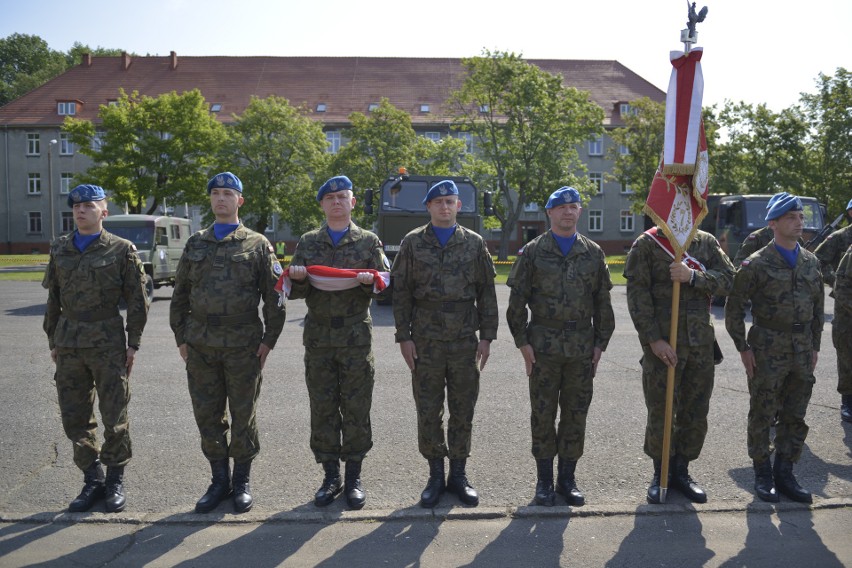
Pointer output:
x,y
596,358
529,357
680,272
297,273
409,352
262,352
365,277
664,352
131,357
748,362
53,355
814,358
483,350
182,351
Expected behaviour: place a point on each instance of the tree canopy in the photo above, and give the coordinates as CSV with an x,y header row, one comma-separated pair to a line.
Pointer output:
x,y
26,62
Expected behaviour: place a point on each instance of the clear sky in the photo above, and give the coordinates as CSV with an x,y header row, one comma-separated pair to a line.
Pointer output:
x,y
757,52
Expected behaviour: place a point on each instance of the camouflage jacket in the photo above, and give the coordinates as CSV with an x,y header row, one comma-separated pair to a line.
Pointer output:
x,y
843,293
444,293
339,318
83,291
786,303
753,243
218,287
831,250
562,290
649,290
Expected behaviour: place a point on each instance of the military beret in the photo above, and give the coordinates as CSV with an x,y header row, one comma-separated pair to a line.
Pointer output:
x,y
333,185
783,205
775,198
562,196
225,180
849,205
86,192
440,189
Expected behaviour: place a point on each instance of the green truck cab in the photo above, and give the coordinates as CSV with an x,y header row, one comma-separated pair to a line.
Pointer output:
x,y
159,242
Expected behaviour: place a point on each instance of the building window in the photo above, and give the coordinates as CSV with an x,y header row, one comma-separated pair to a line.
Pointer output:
x,y
66,107
33,144
33,184
216,107
34,224
65,179
626,220
372,107
66,147
424,108
112,102
596,146
623,150
67,222
483,109
597,181
531,207
625,109
433,136
321,107
333,139
596,220
468,141
98,140
625,188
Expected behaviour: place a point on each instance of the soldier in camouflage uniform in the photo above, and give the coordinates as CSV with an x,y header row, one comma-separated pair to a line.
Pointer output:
x,y
841,330
224,272
89,272
784,284
339,364
650,271
443,293
563,277
759,238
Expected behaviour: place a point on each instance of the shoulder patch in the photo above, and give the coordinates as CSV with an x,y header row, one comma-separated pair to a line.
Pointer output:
x,y
270,248
751,237
276,268
521,250
745,262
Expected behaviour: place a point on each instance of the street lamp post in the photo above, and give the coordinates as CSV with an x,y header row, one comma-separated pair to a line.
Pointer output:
x,y
50,189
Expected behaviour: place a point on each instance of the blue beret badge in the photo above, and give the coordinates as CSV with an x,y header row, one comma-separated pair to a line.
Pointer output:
x,y
84,193
442,188
225,180
562,196
333,185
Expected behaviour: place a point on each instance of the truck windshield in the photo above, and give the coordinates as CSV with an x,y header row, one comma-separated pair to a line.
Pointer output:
x,y
142,237
408,196
756,214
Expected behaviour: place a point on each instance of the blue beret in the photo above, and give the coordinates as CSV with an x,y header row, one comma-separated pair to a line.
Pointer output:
x,y
775,198
440,189
849,205
562,196
783,205
86,192
335,184
225,180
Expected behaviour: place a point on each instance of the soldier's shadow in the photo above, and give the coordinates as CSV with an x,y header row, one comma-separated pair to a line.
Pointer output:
x,y
533,542
14,536
27,311
671,534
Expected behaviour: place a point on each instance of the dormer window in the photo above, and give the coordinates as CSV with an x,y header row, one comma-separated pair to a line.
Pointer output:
x,y
321,107
424,108
216,107
66,108
372,107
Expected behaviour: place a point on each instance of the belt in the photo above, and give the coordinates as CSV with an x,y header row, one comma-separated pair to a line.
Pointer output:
x,y
337,322
777,326
91,315
214,319
564,325
458,306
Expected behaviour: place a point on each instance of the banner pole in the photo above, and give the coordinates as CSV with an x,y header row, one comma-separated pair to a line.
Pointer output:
x,y
670,383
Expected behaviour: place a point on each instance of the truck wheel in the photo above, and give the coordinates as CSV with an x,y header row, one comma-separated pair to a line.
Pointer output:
x,y
149,289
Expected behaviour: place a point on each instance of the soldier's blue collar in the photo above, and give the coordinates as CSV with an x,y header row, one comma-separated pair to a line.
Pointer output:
x,y
336,235
222,230
83,241
565,243
790,256
444,234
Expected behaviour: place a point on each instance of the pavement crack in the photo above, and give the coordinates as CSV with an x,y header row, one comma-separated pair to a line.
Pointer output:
x,y
131,542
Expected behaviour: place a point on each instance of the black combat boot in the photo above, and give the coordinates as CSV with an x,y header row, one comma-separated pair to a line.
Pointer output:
x,y
654,487
220,487
436,484
682,481
544,486
93,489
330,484
242,489
355,495
566,485
764,485
846,407
457,483
786,483
115,500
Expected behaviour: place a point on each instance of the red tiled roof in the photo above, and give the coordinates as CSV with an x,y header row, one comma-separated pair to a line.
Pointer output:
x,y
344,84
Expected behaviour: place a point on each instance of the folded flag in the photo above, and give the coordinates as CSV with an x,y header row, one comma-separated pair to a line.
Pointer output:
x,y
333,279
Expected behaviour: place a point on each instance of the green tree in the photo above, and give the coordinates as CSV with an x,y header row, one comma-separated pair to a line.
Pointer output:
x,y
829,113
147,149
26,62
75,54
528,126
277,151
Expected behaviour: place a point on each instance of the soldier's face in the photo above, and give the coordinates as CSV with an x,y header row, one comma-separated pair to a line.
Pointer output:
x,y
89,216
225,203
444,210
789,225
563,218
338,205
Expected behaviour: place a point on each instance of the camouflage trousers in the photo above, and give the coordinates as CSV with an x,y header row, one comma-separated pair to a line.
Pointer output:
x,y
340,387
693,386
843,347
567,384
782,382
222,380
80,373
440,366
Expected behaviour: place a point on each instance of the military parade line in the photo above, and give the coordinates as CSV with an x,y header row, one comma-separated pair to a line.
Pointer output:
x,y
446,316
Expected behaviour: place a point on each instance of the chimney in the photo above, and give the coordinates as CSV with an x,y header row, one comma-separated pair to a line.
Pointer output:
x,y
125,60
173,61
87,60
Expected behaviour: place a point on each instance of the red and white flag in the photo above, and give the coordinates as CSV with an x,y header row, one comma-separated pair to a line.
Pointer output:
x,y
333,279
683,112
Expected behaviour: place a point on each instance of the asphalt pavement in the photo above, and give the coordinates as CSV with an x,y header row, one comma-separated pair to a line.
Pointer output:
x,y
616,528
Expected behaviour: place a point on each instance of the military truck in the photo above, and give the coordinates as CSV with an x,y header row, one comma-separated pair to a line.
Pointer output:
x,y
159,241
